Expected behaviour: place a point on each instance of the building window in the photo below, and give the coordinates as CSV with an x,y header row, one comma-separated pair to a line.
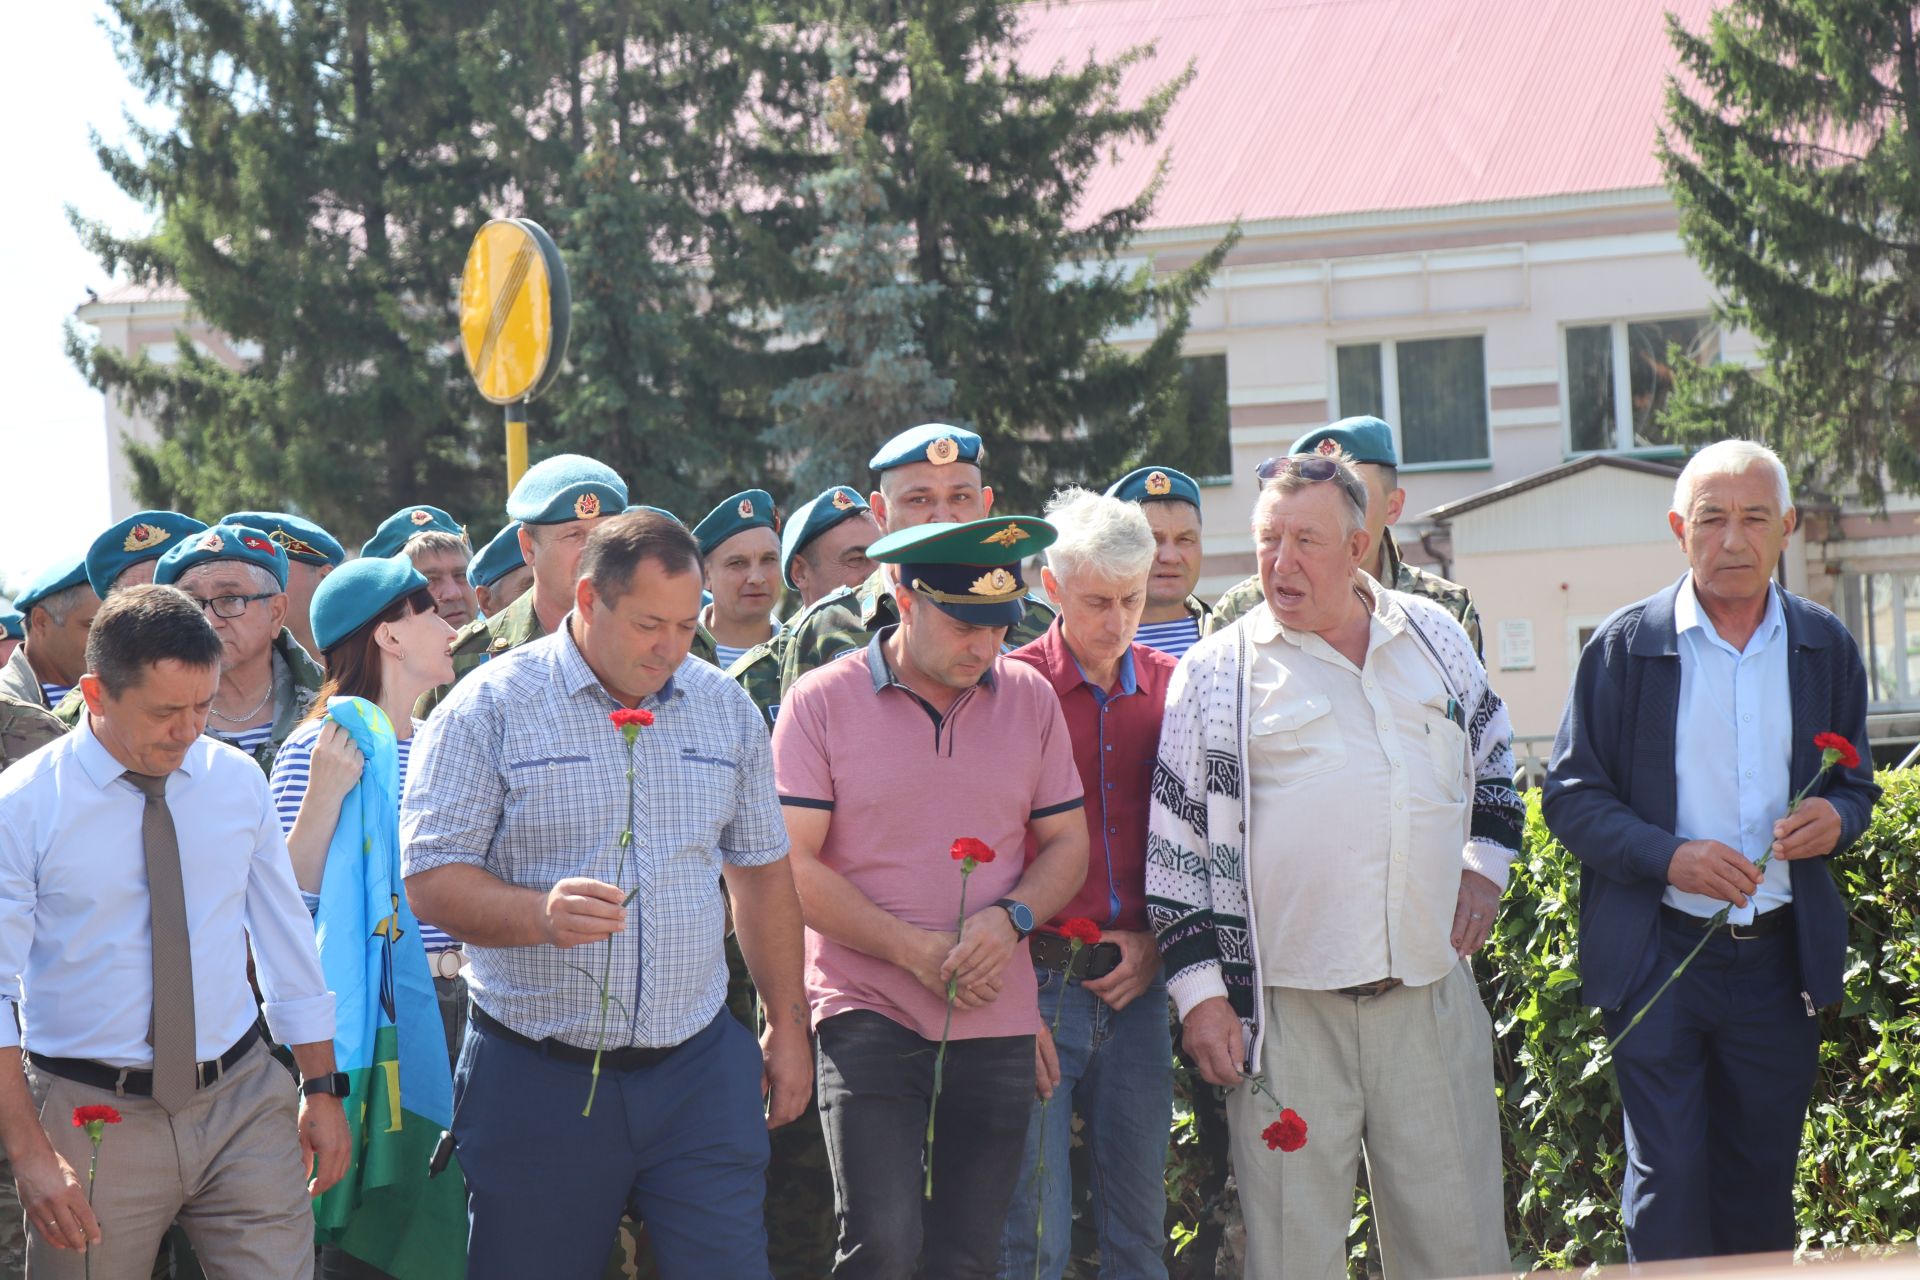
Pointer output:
x,y
1620,375
1433,391
1883,612
1203,425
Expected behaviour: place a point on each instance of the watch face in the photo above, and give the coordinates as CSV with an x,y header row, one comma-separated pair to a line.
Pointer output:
x,y
1022,916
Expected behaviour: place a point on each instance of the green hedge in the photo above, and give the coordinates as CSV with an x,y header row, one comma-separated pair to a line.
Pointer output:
x,y
1560,1112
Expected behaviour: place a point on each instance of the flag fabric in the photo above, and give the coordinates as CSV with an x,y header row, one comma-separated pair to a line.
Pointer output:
x,y
389,1038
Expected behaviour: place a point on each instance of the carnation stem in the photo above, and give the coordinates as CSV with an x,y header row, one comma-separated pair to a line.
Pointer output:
x,y
606,963
940,1058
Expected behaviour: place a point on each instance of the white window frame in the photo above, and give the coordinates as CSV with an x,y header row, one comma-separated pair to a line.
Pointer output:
x,y
1390,393
1622,388
1906,695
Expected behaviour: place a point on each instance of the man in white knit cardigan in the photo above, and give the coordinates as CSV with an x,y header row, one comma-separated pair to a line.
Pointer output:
x,y
1331,829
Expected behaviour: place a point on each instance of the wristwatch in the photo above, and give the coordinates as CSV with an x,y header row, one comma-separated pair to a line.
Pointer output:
x,y
1019,913
334,1085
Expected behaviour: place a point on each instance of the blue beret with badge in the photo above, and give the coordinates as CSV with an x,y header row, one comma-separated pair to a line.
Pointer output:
x,y
1364,439
934,442
813,518
1155,484
356,593
752,509
223,542
12,625
299,537
52,581
564,488
144,535
498,558
970,571
391,537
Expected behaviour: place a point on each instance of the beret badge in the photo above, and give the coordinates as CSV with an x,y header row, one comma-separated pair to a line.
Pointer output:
x,y
213,542
1158,485
942,451
142,536
841,502
586,506
1328,447
745,508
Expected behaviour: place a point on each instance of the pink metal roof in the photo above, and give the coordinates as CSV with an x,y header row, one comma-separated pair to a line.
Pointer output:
x,y
1305,108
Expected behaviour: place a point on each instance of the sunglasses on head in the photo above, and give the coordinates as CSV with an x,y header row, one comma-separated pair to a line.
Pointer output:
x,y
1314,468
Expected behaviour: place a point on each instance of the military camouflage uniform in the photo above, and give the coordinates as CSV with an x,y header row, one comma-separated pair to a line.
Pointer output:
x,y
18,680
846,620
1397,574
482,639
758,672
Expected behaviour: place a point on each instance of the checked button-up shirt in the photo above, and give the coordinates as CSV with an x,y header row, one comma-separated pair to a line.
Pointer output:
x,y
520,772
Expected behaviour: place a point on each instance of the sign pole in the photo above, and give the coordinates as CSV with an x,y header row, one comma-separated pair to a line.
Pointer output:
x,y
516,442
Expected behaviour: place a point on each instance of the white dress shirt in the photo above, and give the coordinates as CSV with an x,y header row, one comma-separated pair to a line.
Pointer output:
x,y
1360,792
76,922
1732,747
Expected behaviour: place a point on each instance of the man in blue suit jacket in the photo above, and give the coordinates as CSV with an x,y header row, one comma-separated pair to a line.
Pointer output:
x,y
1688,731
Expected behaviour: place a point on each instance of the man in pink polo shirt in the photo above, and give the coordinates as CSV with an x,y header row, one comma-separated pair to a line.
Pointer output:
x,y
1110,1051
883,758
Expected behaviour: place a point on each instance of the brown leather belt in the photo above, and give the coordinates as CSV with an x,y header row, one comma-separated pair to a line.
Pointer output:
x,y
1367,990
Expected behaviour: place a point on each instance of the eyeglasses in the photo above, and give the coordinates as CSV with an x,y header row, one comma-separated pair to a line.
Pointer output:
x,y
1313,468
232,606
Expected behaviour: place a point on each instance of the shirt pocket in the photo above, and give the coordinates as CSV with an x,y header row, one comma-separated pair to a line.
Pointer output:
x,y
1446,747
1298,737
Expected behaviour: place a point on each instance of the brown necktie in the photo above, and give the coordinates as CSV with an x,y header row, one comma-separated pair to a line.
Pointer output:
x,y
172,1031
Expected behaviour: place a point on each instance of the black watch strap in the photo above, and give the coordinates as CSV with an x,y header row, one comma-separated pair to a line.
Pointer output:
x,y
335,1085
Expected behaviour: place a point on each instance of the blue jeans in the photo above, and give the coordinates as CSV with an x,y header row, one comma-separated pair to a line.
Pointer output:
x,y
1116,1070
682,1144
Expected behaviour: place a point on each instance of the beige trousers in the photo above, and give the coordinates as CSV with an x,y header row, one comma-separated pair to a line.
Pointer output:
x,y
227,1166
1406,1078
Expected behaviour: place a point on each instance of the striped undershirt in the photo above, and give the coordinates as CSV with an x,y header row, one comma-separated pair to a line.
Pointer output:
x,y
54,692
1171,638
725,655
248,740
293,770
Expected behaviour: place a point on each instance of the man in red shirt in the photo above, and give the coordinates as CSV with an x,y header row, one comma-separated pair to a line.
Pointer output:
x,y
1112,1059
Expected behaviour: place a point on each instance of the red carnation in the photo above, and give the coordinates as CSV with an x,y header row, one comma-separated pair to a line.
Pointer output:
x,y
1288,1133
1081,930
631,715
968,847
1844,753
84,1116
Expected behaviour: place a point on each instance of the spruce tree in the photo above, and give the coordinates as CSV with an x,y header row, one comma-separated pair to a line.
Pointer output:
x,y
863,314
1792,148
988,164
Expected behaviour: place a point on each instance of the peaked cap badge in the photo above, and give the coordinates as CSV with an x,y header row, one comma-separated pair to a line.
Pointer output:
x,y
1006,537
995,582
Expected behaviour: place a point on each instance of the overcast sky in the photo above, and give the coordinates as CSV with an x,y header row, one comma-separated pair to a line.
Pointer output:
x,y
58,77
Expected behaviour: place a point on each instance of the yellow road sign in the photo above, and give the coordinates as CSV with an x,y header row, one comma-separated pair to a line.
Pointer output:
x,y
507,313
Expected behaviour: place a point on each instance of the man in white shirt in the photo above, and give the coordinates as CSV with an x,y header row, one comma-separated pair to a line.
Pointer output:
x,y
1349,732
138,861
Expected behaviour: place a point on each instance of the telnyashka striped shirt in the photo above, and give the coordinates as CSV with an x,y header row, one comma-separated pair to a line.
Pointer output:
x,y
1171,638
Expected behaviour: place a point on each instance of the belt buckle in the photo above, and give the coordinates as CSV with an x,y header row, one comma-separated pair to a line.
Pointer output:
x,y
1733,930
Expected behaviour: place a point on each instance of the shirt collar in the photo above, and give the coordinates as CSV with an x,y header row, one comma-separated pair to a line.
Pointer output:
x,y
882,671
1689,615
1064,672
99,764
576,675
1127,682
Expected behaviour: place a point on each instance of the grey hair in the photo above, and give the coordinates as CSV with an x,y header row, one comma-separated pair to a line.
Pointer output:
x,y
1349,484
261,577
1106,537
1730,458
430,542
61,604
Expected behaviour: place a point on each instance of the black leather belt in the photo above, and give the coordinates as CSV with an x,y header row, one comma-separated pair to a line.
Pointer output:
x,y
1767,922
1051,951
628,1059
121,1081
1367,990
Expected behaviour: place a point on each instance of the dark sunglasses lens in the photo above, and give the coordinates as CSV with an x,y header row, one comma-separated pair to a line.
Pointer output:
x,y
1308,467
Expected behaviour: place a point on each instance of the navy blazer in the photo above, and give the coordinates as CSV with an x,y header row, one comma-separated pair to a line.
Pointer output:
x,y
1611,794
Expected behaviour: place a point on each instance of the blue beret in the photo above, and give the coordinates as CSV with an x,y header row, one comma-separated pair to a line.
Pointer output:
x,y
566,487
301,539
934,442
815,517
64,574
659,511
752,509
355,593
1365,439
12,625
970,571
1155,484
223,542
144,535
391,537
498,558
